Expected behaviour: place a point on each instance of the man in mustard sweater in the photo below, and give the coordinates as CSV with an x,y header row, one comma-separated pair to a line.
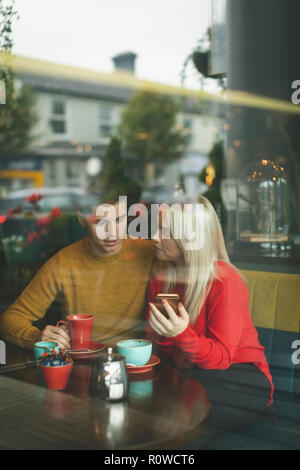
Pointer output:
x,y
107,278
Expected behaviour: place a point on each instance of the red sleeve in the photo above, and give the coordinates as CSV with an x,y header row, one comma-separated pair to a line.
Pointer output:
x,y
226,305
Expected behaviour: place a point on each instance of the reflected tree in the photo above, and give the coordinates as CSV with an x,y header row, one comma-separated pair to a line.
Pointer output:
x,y
149,132
115,181
17,115
212,176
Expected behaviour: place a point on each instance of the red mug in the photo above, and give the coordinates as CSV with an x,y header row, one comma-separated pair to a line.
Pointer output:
x,y
80,328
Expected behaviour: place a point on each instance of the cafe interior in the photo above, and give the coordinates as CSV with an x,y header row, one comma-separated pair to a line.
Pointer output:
x,y
71,136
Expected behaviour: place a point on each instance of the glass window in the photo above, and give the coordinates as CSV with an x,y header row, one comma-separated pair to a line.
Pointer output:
x,y
218,37
188,128
72,169
58,107
106,126
58,120
52,171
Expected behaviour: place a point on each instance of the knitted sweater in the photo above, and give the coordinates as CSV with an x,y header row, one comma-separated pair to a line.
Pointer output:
x,y
112,288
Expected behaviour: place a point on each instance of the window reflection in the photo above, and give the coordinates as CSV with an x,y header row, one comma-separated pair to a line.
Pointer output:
x,y
58,120
223,123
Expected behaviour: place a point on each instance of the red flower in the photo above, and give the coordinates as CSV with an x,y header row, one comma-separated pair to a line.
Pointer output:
x,y
9,212
43,231
3,218
32,236
34,198
56,212
44,221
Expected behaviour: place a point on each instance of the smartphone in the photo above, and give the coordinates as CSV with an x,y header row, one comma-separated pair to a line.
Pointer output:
x,y
173,300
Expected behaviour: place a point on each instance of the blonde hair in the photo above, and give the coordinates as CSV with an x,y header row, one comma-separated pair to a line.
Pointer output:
x,y
200,262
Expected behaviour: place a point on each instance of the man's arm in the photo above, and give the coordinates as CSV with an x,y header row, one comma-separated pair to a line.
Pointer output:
x,y
16,322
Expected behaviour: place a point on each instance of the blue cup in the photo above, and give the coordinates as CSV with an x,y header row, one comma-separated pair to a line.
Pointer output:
x,y
44,347
136,351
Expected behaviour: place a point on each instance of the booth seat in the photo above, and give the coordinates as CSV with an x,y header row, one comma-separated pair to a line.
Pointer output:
x,y
275,309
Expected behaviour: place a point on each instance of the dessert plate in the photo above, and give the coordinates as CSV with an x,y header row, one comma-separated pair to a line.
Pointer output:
x,y
153,361
94,348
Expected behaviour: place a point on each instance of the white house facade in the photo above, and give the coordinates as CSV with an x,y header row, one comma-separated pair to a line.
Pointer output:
x,y
77,116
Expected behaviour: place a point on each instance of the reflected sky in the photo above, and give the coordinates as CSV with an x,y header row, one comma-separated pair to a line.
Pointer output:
x,y
88,34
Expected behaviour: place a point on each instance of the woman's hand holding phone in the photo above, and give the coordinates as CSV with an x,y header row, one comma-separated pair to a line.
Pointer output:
x,y
173,300
172,326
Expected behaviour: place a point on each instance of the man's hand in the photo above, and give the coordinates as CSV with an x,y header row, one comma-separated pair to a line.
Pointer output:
x,y
172,326
57,334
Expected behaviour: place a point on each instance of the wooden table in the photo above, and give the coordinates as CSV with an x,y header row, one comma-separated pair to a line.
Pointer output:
x,y
164,408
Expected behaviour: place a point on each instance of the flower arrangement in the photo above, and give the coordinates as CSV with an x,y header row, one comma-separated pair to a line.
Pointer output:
x,y
24,233
54,359
56,369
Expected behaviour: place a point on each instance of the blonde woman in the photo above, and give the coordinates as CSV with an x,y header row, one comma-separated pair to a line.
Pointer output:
x,y
212,329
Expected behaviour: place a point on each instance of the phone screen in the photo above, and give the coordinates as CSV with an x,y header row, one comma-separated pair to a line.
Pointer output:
x,y
173,300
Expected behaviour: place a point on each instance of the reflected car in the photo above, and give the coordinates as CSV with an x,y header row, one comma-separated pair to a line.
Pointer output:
x,y
66,198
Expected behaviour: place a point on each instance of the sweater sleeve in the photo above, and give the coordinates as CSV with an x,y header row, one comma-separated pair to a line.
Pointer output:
x,y
16,322
226,304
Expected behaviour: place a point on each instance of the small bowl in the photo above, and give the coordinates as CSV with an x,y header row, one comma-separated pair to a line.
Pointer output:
x,y
136,351
56,377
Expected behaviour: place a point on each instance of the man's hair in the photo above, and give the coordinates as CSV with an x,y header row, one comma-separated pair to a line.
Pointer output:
x,y
111,196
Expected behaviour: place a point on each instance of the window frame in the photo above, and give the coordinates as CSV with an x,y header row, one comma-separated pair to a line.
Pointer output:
x,y
106,121
60,117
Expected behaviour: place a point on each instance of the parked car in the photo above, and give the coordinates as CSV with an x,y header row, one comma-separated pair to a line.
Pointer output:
x,y
68,199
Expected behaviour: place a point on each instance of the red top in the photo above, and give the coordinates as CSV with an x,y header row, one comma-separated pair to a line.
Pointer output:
x,y
223,333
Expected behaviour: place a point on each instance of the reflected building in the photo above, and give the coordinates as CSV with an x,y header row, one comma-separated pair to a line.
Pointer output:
x,y
78,111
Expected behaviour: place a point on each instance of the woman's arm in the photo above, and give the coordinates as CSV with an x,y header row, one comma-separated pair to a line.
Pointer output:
x,y
225,320
225,314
